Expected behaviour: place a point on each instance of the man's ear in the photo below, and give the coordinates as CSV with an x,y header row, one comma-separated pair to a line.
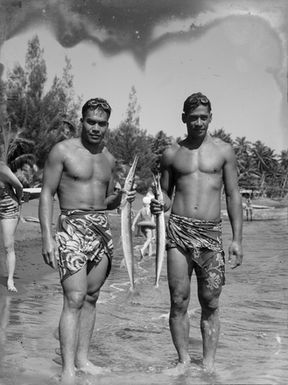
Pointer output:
x,y
81,120
184,119
210,117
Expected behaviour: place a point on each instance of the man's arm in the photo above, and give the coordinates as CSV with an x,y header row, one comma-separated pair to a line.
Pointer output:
x,y
51,179
7,176
166,182
234,206
113,198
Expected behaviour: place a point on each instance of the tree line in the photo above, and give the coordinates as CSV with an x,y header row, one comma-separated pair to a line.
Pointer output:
x,y
34,118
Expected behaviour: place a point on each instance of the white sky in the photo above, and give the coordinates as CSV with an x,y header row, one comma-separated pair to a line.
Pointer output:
x,y
238,63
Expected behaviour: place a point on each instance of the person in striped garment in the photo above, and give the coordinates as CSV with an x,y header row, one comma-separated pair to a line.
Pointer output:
x,y
11,191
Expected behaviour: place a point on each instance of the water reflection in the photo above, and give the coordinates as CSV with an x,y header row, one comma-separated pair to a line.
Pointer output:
x,y
5,301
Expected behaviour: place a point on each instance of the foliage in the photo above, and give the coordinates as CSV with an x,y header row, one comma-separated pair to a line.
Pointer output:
x,y
37,115
33,120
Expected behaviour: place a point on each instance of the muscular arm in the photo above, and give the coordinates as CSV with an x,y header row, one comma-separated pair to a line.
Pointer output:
x,y
51,179
113,198
167,184
234,203
7,176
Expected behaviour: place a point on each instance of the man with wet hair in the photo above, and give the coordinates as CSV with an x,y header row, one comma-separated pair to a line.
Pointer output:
x,y
81,172
194,170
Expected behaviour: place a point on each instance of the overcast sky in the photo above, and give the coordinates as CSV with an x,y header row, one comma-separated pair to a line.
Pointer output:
x,y
233,51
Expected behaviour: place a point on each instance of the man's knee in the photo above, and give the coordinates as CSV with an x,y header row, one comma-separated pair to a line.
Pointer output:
x,y
74,299
179,301
209,300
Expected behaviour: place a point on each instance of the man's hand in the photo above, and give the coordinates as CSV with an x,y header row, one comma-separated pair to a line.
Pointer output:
x,y
130,196
235,254
50,252
156,207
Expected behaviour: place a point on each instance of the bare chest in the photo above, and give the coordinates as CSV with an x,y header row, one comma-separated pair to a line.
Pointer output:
x,y
199,161
85,167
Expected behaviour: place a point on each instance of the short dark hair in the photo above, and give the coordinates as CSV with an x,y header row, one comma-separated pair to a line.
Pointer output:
x,y
94,103
194,100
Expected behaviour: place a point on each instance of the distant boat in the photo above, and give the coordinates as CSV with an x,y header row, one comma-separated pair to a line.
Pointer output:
x,y
262,207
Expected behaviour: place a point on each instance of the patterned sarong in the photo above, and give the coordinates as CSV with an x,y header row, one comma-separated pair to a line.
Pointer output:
x,y
203,241
82,236
9,207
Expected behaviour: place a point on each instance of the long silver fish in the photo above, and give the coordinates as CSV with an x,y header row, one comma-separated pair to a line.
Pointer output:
x,y
126,222
160,231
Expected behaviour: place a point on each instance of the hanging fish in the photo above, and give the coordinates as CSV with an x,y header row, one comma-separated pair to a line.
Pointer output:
x,y
160,230
126,222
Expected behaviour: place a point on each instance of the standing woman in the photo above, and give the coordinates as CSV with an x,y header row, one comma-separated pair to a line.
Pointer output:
x,y
11,191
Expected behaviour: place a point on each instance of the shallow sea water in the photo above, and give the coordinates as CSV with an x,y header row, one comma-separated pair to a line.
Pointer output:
x,y
132,336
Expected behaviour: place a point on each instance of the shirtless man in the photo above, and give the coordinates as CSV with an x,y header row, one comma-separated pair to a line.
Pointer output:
x,y
195,170
80,171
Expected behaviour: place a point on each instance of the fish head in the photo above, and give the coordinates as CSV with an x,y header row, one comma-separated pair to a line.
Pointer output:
x,y
129,181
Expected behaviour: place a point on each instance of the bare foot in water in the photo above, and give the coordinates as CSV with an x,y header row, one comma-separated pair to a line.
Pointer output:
x,y
68,378
179,369
10,286
208,367
92,369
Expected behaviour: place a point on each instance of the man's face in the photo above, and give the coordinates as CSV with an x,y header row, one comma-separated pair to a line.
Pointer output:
x,y
197,121
94,125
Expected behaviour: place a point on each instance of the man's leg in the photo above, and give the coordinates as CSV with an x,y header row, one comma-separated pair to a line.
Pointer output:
x,y
74,291
95,280
210,323
179,276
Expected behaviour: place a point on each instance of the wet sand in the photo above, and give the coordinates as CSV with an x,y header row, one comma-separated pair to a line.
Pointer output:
x,y
130,337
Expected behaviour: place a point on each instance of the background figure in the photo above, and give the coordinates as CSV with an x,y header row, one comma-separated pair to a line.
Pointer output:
x,y
11,191
249,209
146,222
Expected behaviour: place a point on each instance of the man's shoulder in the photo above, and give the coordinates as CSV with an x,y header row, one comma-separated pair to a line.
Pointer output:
x,y
61,150
66,145
223,148
169,153
108,154
220,143
171,150
111,159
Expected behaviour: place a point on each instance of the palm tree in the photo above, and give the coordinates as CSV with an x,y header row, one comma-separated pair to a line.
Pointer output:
x,y
265,162
247,174
284,171
16,149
